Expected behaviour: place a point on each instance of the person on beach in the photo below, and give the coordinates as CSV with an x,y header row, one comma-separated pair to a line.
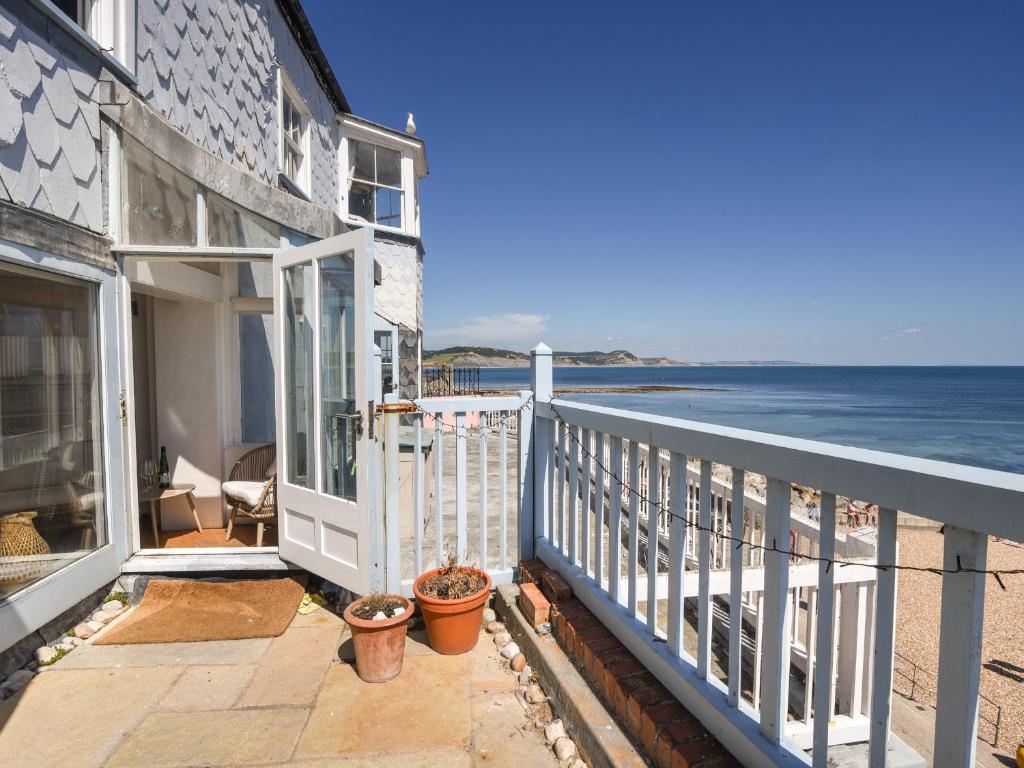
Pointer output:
x,y
814,513
852,514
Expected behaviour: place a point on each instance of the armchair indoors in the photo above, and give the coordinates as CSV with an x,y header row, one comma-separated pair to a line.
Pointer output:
x,y
251,488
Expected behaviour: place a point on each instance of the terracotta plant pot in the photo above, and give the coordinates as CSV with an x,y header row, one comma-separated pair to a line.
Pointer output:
x,y
453,626
379,645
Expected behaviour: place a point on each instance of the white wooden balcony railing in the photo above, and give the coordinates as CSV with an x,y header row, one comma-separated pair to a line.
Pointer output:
x,y
800,634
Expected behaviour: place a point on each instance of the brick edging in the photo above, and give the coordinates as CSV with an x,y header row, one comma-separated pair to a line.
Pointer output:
x,y
666,731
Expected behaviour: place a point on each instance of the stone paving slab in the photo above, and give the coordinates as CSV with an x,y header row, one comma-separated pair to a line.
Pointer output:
x,y
290,671
167,654
445,758
219,738
499,739
286,703
425,708
77,717
216,686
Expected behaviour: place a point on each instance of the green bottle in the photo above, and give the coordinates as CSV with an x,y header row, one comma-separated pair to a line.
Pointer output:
x,y
164,469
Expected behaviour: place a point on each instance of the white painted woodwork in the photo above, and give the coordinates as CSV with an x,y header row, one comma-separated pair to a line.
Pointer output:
x,y
634,524
735,586
461,493
524,497
938,490
677,554
574,490
599,508
391,498
825,642
885,639
503,488
704,572
585,509
615,519
437,448
484,524
542,384
653,502
775,648
417,493
563,474
963,607
325,534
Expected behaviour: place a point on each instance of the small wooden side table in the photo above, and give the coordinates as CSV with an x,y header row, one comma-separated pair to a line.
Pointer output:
x,y
157,494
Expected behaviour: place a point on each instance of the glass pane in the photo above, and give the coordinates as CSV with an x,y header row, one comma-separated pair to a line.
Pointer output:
x,y
389,167
360,202
361,160
389,207
298,371
383,339
255,342
51,467
159,202
338,376
230,226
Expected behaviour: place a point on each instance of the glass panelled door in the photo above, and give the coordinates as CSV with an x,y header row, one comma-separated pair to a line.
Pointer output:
x,y
324,317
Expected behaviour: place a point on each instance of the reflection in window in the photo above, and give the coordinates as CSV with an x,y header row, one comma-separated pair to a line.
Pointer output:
x,y
230,226
375,184
337,369
299,363
51,470
158,201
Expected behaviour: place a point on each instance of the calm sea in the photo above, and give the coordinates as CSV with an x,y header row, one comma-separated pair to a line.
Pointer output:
x,y
966,415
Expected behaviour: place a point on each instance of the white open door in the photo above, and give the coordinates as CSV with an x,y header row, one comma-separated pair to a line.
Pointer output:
x,y
323,320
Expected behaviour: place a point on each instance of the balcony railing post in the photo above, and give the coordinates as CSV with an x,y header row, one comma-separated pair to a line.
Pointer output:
x,y
536,440
393,568
963,612
775,663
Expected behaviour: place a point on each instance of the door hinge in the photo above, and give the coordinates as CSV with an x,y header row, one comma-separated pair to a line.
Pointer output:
x,y
122,408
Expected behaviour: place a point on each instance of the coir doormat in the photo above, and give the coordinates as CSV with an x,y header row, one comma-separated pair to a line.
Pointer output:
x,y
180,611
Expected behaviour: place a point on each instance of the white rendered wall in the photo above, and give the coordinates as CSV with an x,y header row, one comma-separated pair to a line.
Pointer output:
x,y
210,67
49,119
188,406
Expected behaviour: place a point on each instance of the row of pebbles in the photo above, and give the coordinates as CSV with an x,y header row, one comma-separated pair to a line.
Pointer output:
x,y
46,655
530,693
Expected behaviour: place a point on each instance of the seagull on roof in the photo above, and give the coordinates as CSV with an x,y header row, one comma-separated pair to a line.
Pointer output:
x,y
410,125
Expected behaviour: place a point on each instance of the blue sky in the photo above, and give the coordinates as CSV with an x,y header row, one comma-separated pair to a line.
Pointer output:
x,y
825,182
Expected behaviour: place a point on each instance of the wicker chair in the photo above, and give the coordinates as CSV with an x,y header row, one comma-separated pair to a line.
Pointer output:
x,y
251,488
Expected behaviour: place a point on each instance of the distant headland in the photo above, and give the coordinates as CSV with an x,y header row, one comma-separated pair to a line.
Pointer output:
x,y
491,357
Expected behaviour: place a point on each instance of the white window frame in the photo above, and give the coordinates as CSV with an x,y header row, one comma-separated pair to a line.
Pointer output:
x,y
383,327
351,129
41,601
286,90
112,24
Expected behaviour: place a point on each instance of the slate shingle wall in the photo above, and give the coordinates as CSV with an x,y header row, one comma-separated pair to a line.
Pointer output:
x,y
49,120
210,68
399,298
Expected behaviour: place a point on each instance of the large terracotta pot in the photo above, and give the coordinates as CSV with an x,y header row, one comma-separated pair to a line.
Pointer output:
x,y
453,626
379,645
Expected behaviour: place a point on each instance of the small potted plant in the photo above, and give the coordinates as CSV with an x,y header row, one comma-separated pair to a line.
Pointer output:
x,y
452,599
379,624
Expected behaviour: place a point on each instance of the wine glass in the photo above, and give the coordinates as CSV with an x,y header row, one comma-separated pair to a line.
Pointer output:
x,y
149,472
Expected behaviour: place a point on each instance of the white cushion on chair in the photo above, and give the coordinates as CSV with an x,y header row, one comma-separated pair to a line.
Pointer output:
x,y
247,491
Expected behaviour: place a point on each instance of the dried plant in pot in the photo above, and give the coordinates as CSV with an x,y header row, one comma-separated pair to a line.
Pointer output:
x,y
452,599
379,624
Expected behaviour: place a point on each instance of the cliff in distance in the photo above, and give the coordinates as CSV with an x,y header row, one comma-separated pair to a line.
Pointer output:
x,y
491,357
